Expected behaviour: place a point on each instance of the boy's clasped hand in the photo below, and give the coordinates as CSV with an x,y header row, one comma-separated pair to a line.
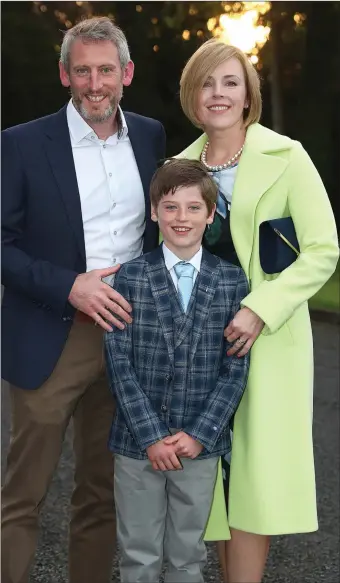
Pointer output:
x,y
164,455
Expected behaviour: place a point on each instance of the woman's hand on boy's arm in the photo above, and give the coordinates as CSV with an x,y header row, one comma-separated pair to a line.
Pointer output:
x,y
243,330
163,457
185,445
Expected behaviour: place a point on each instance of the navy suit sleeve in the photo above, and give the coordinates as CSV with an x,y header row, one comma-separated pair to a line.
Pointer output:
x,y
142,421
35,278
220,406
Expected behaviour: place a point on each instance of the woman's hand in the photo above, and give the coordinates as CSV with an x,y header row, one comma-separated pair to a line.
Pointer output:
x,y
243,331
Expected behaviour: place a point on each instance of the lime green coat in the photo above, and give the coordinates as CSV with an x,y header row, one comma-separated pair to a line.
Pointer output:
x,y
272,482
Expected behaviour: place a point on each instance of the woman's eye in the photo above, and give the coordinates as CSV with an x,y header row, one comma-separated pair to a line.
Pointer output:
x,y
207,84
231,84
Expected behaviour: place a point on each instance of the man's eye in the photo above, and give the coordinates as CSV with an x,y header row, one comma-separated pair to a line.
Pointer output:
x,y
81,71
106,70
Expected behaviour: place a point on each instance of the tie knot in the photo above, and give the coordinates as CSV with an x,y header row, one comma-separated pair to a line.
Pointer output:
x,y
184,269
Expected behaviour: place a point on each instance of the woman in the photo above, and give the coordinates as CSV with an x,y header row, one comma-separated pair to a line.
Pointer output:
x,y
262,175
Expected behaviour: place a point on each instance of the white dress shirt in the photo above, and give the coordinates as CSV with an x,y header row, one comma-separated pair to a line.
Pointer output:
x,y
171,259
111,193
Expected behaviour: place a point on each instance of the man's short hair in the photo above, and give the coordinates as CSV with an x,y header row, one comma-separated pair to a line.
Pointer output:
x,y
96,29
180,172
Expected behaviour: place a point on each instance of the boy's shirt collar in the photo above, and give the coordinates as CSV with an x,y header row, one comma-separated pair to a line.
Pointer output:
x,y
171,259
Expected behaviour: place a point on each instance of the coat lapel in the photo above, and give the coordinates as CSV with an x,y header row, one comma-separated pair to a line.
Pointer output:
x,y
59,153
257,171
260,166
158,278
145,160
207,281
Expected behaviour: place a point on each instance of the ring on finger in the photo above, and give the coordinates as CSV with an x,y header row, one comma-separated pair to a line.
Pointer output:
x,y
240,342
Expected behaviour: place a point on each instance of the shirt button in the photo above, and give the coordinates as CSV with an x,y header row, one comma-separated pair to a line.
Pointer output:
x,y
92,137
115,232
163,408
104,145
114,204
215,428
114,260
110,174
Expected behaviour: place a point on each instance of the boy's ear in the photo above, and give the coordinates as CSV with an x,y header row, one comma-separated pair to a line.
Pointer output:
x,y
154,215
210,218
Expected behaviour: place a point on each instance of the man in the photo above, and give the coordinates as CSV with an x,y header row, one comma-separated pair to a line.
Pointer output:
x,y
75,205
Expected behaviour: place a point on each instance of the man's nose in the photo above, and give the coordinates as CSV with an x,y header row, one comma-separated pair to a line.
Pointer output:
x,y
95,81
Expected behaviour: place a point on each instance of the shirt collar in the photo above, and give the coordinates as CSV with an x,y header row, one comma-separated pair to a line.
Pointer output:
x,y
171,259
79,129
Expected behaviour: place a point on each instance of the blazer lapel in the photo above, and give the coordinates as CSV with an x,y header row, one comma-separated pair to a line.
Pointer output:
x,y
158,278
59,153
145,161
207,281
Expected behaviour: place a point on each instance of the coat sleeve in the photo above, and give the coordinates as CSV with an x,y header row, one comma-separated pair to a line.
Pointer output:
x,y
142,421
34,278
275,301
220,406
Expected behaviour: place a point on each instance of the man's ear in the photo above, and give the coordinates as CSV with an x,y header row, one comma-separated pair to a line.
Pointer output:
x,y
64,78
128,73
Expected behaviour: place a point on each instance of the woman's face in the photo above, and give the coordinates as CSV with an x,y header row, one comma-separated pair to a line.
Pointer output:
x,y
223,97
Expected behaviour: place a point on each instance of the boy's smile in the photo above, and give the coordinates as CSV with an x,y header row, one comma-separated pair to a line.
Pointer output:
x,y
183,217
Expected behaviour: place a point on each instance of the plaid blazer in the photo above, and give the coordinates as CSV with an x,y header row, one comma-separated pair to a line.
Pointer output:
x,y
140,359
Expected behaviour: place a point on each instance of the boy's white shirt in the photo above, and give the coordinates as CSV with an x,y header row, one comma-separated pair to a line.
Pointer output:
x,y
171,259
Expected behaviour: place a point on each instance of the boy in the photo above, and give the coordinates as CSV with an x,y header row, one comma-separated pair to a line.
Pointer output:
x,y
176,389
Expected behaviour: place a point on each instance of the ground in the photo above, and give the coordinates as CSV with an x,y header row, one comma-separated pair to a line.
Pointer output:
x,y
312,558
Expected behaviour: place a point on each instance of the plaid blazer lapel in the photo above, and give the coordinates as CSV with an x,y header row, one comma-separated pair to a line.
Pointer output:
x,y
207,285
158,278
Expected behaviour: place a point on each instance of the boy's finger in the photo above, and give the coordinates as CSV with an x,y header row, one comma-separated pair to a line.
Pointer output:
x,y
172,439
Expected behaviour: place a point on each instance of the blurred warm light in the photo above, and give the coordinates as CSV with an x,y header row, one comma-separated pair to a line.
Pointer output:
x,y
200,33
186,34
154,20
79,3
239,27
155,48
299,18
211,23
139,8
192,11
43,8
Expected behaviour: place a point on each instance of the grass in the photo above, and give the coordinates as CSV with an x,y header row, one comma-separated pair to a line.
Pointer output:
x,y
328,298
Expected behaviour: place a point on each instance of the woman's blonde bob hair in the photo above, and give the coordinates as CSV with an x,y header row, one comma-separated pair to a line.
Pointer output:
x,y
202,64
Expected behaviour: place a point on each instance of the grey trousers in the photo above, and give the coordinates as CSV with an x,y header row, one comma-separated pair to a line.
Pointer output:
x,y
162,515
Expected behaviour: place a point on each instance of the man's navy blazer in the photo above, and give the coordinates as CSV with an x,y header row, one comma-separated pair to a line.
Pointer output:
x,y
43,247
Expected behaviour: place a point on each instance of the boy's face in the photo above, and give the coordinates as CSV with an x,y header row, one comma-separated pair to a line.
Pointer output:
x,y
182,219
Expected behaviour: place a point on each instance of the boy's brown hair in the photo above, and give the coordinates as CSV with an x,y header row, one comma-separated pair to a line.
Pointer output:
x,y
178,173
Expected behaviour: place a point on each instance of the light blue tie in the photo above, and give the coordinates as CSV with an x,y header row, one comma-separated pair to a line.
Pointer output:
x,y
185,273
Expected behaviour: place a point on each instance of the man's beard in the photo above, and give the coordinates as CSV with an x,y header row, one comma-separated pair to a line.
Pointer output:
x,y
105,115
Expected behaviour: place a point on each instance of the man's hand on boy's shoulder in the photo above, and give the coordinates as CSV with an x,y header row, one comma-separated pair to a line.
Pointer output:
x,y
163,457
185,445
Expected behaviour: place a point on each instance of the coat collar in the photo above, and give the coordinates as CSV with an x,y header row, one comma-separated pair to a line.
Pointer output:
x,y
206,285
263,161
